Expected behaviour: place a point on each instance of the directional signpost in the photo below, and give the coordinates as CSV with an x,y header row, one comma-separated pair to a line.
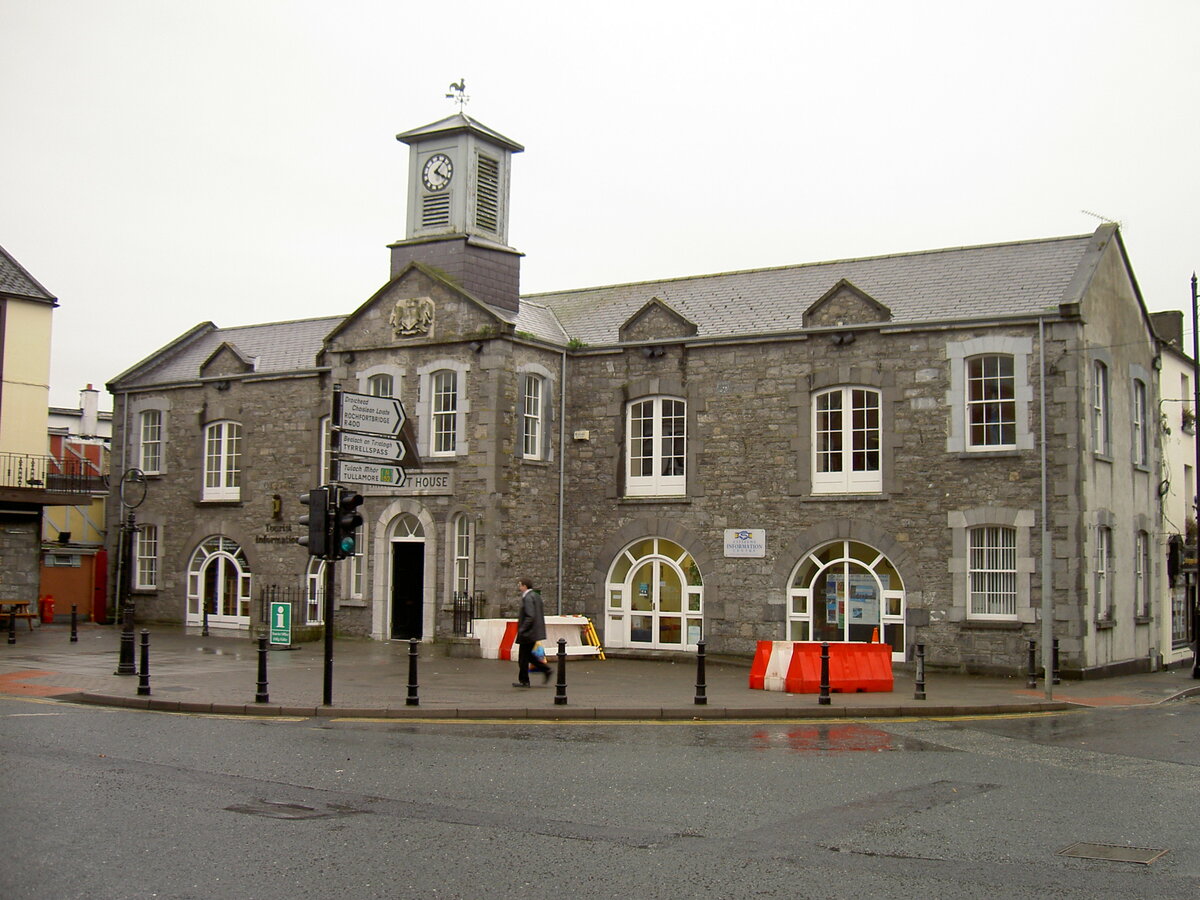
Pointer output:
x,y
368,427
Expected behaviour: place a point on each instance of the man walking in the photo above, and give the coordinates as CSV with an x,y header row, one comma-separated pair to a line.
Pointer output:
x,y
531,628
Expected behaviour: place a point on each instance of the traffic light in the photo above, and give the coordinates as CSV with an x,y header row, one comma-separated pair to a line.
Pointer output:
x,y
317,520
346,522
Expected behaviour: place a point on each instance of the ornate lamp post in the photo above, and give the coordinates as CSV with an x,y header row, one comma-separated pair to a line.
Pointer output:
x,y
133,492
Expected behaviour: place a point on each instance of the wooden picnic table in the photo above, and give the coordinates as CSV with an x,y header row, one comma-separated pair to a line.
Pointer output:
x,y
17,609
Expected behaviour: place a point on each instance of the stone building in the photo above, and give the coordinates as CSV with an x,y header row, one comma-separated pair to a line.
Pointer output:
x,y
890,448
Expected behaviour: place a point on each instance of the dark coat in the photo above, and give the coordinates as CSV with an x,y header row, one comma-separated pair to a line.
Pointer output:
x,y
531,623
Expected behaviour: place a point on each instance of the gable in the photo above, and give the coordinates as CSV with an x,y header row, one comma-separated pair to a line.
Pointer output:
x,y
656,321
416,307
845,304
227,359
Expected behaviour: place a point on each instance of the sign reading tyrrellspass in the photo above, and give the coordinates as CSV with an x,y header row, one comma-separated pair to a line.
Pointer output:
x,y
746,542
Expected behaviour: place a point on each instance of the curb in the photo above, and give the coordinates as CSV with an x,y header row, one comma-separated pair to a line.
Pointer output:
x,y
568,713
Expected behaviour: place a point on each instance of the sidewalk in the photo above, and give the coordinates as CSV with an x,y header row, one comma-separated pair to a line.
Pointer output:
x,y
219,674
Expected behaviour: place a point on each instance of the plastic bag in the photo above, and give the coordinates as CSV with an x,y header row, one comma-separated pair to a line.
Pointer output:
x,y
539,652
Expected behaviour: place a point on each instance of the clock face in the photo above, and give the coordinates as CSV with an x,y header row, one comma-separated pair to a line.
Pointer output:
x,y
437,172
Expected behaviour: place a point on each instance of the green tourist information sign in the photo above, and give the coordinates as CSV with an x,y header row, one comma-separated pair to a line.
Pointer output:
x,y
281,623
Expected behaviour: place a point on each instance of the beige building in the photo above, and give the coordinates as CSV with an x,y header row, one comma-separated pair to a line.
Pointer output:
x,y
30,479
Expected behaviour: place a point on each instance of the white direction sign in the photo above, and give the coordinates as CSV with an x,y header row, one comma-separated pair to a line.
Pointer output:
x,y
370,446
369,414
370,473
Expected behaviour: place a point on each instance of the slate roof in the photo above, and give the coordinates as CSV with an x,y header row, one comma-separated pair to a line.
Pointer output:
x,y
962,283
985,282
274,347
16,282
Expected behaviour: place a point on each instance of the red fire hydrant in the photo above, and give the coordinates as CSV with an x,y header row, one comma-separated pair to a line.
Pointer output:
x,y
48,609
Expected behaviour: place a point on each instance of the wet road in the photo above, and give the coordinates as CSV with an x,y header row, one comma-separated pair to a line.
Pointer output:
x,y
114,804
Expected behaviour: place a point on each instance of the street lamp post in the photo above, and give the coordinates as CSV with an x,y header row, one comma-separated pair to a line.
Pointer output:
x,y
133,492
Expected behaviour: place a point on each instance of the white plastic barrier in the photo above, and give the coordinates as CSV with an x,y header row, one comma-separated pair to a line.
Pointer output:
x,y
497,637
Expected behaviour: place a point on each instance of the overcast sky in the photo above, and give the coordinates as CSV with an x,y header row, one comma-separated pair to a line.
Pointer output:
x,y
165,163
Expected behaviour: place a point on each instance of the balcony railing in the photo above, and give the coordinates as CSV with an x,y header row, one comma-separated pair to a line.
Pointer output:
x,y
45,473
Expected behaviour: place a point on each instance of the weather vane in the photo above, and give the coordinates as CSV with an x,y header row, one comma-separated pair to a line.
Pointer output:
x,y
458,93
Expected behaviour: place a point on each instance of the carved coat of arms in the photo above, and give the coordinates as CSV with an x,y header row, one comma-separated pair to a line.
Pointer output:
x,y
412,315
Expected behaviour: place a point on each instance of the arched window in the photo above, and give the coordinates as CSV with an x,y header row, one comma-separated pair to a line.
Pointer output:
x,y
219,581
655,597
846,591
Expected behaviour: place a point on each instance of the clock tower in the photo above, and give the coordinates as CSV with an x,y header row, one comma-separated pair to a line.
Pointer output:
x,y
458,193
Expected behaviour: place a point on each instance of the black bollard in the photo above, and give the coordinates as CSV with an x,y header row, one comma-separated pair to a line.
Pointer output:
x,y
823,700
1054,660
701,697
125,662
412,699
74,624
12,622
262,696
204,627
1031,683
560,689
919,686
144,671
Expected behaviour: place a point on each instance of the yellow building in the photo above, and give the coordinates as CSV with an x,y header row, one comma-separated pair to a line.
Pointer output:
x,y
30,479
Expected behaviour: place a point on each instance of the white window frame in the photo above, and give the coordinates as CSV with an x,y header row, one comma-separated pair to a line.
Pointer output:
x,y
842,440
222,460
314,601
356,570
991,401
381,384
656,447
992,572
1141,575
462,555
1101,409
533,392
1102,573
1141,433
146,552
957,354
150,441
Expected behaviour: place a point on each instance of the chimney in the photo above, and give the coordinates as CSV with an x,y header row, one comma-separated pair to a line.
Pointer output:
x,y
89,409
1169,326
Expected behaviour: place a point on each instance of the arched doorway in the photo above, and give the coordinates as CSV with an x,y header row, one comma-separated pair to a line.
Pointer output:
x,y
846,591
408,578
219,581
655,597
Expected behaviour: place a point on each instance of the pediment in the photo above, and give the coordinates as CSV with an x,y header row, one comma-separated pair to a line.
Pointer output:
x,y
227,359
656,321
845,304
419,305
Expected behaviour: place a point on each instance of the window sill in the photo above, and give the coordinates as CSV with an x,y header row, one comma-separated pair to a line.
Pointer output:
x,y
1105,624
207,503
1102,457
814,498
993,624
666,498
1142,620
1004,453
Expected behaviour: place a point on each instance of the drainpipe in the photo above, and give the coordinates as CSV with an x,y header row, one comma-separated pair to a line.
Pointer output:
x,y
1047,561
562,469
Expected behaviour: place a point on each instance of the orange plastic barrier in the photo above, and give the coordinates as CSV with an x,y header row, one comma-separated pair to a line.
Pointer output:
x,y
853,667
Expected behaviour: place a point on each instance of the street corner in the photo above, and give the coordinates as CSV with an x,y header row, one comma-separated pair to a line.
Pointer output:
x,y
26,684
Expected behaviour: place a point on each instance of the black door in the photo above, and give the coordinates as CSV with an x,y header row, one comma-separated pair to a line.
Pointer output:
x,y
408,585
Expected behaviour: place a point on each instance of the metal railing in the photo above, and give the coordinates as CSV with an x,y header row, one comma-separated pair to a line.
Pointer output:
x,y
45,473
467,609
